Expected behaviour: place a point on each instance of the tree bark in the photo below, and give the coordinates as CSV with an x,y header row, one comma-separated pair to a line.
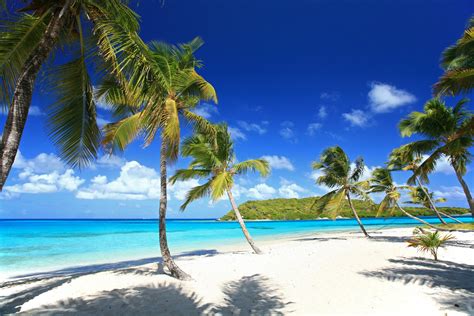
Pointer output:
x,y
433,207
242,224
356,216
168,261
418,219
18,110
467,192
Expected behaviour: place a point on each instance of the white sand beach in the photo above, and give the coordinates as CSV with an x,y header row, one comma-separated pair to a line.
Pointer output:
x,y
318,274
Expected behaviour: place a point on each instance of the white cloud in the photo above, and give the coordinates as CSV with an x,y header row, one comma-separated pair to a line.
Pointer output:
x,y
357,118
261,191
236,133
450,193
313,128
43,163
206,110
385,98
279,162
287,131
331,96
290,190
47,183
253,127
135,182
442,165
322,112
35,111
110,161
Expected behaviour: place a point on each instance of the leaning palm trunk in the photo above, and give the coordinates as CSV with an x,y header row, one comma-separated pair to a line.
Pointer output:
x,y
168,261
242,224
469,198
357,216
433,207
417,218
18,110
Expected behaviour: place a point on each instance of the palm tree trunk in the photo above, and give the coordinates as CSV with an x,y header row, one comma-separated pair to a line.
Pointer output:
x,y
168,261
418,219
433,207
449,216
242,224
467,192
18,110
356,216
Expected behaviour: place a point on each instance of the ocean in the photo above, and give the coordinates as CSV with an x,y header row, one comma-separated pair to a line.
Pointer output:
x,y
31,246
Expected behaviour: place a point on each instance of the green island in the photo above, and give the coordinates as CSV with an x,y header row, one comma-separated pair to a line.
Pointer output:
x,y
295,209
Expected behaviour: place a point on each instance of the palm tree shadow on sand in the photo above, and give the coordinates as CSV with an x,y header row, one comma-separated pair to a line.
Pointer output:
x,y
251,295
456,277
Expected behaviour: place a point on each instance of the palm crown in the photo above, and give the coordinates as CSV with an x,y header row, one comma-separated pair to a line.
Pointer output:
x,y
458,62
214,160
87,28
170,88
419,196
337,173
382,181
447,132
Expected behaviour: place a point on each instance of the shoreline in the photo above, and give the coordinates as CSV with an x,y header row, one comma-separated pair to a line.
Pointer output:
x,y
126,259
303,274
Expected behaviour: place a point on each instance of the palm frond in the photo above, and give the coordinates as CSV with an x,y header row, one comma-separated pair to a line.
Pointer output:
x,y
260,165
17,40
186,174
73,119
196,193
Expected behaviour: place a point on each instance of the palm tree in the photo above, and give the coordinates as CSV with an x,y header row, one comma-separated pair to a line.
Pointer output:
x,y
421,196
382,181
427,241
337,174
403,159
81,28
458,63
170,89
214,160
448,132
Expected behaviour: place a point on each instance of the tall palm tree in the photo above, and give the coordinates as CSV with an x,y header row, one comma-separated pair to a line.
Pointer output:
x,y
458,63
337,175
382,181
403,159
170,89
447,132
214,160
80,30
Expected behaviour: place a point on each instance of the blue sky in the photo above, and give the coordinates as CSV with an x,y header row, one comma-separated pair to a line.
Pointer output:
x,y
292,77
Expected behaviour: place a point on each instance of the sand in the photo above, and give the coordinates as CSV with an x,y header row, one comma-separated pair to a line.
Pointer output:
x,y
319,274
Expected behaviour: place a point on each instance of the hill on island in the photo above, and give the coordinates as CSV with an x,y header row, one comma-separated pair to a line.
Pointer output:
x,y
294,209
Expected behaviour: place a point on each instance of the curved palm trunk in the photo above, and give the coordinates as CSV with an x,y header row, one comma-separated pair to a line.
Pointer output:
x,y
433,207
18,110
467,192
357,216
417,218
449,216
242,224
168,261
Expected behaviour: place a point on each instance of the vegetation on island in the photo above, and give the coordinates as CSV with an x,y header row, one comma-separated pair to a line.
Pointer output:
x,y
301,209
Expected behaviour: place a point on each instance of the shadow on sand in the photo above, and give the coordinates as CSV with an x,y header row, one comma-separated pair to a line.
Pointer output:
x,y
38,283
457,277
251,295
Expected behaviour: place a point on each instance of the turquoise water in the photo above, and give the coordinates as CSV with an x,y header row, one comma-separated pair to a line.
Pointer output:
x,y
43,245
